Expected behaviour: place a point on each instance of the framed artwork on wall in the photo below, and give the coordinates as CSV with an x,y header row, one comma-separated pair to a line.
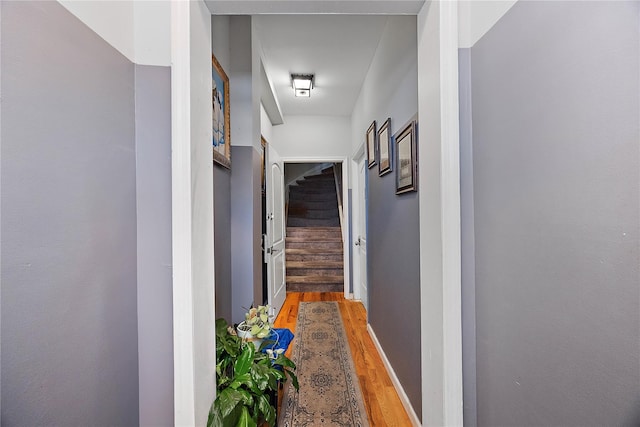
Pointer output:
x,y
406,159
221,115
384,149
371,145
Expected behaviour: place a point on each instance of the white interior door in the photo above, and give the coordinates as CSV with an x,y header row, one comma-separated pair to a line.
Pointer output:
x,y
360,240
274,244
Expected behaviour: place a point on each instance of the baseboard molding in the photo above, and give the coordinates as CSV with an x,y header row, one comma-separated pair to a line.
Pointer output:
x,y
394,379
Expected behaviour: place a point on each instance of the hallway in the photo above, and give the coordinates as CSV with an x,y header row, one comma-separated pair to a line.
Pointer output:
x,y
381,400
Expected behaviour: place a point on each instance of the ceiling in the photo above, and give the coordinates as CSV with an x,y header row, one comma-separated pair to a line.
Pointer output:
x,y
338,49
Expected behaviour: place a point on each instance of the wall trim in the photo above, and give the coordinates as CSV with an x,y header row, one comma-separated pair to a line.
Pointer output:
x,y
181,218
415,421
450,199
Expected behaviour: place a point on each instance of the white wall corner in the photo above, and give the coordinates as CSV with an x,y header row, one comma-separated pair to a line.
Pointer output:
x,y
477,17
140,30
439,184
111,20
152,32
183,349
451,246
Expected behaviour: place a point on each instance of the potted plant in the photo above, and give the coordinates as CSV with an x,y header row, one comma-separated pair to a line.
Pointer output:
x,y
256,326
245,379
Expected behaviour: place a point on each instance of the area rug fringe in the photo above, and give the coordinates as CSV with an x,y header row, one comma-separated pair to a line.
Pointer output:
x,y
329,390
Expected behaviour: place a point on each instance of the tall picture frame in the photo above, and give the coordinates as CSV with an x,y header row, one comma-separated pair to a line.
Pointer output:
x,y
406,159
221,139
371,145
385,148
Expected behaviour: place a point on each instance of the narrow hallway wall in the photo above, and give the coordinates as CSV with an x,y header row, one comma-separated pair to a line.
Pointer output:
x,y
557,222
222,189
154,272
393,240
69,327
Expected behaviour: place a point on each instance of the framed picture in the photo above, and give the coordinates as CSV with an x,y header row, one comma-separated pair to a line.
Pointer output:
x,y
384,150
221,113
371,145
406,159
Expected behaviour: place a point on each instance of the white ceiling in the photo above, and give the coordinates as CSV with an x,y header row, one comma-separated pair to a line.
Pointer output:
x,y
338,49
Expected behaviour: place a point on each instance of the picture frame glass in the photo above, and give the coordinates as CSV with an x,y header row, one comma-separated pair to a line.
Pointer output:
x,y
384,149
371,145
405,168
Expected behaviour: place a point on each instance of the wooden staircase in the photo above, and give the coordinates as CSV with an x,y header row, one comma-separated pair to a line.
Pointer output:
x,y
314,253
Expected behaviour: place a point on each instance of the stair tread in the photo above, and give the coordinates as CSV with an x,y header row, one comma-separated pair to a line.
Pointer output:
x,y
314,250
315,238
314,264
315,279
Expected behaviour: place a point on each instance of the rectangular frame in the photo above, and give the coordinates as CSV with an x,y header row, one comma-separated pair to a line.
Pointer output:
x,y
385,149
221,139
371,145
406,159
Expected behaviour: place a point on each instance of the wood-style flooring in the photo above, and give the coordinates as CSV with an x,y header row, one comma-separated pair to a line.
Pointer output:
x,y
381,400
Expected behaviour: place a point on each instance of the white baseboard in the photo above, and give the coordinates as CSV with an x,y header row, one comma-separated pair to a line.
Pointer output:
x,y
415,421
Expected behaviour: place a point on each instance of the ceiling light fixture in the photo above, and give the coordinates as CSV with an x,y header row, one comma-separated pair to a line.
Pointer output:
x,y
302,84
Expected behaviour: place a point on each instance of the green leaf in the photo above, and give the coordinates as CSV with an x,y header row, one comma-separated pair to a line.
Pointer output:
x,y
294,379
245,360
283,360
245,419
226,404
267,410
221,327
260,375
240,380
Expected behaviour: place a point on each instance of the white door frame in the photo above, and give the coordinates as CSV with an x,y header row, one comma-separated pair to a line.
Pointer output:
x,y
346,227
356,158
437,42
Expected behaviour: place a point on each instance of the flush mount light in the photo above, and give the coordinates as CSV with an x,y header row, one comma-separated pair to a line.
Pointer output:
x,y
302,84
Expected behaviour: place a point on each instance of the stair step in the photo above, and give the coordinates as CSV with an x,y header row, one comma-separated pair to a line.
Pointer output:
x,y
319,238
311,231
294,255
302,196
314,264
315,279
297,190
314,245
307,222
324,272
312,204
315,287
299,212
316,183
320,176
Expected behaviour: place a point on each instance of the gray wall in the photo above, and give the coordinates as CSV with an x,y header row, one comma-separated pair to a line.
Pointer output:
x,y
556,203
69,332
155,285
467,242
393,271
246,205
246,257
222,240
222,189
393,229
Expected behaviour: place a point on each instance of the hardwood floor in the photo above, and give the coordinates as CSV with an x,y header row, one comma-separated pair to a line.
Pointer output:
x,y
381,400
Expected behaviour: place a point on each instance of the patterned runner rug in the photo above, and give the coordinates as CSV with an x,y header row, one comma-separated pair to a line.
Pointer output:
x,y
329,391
